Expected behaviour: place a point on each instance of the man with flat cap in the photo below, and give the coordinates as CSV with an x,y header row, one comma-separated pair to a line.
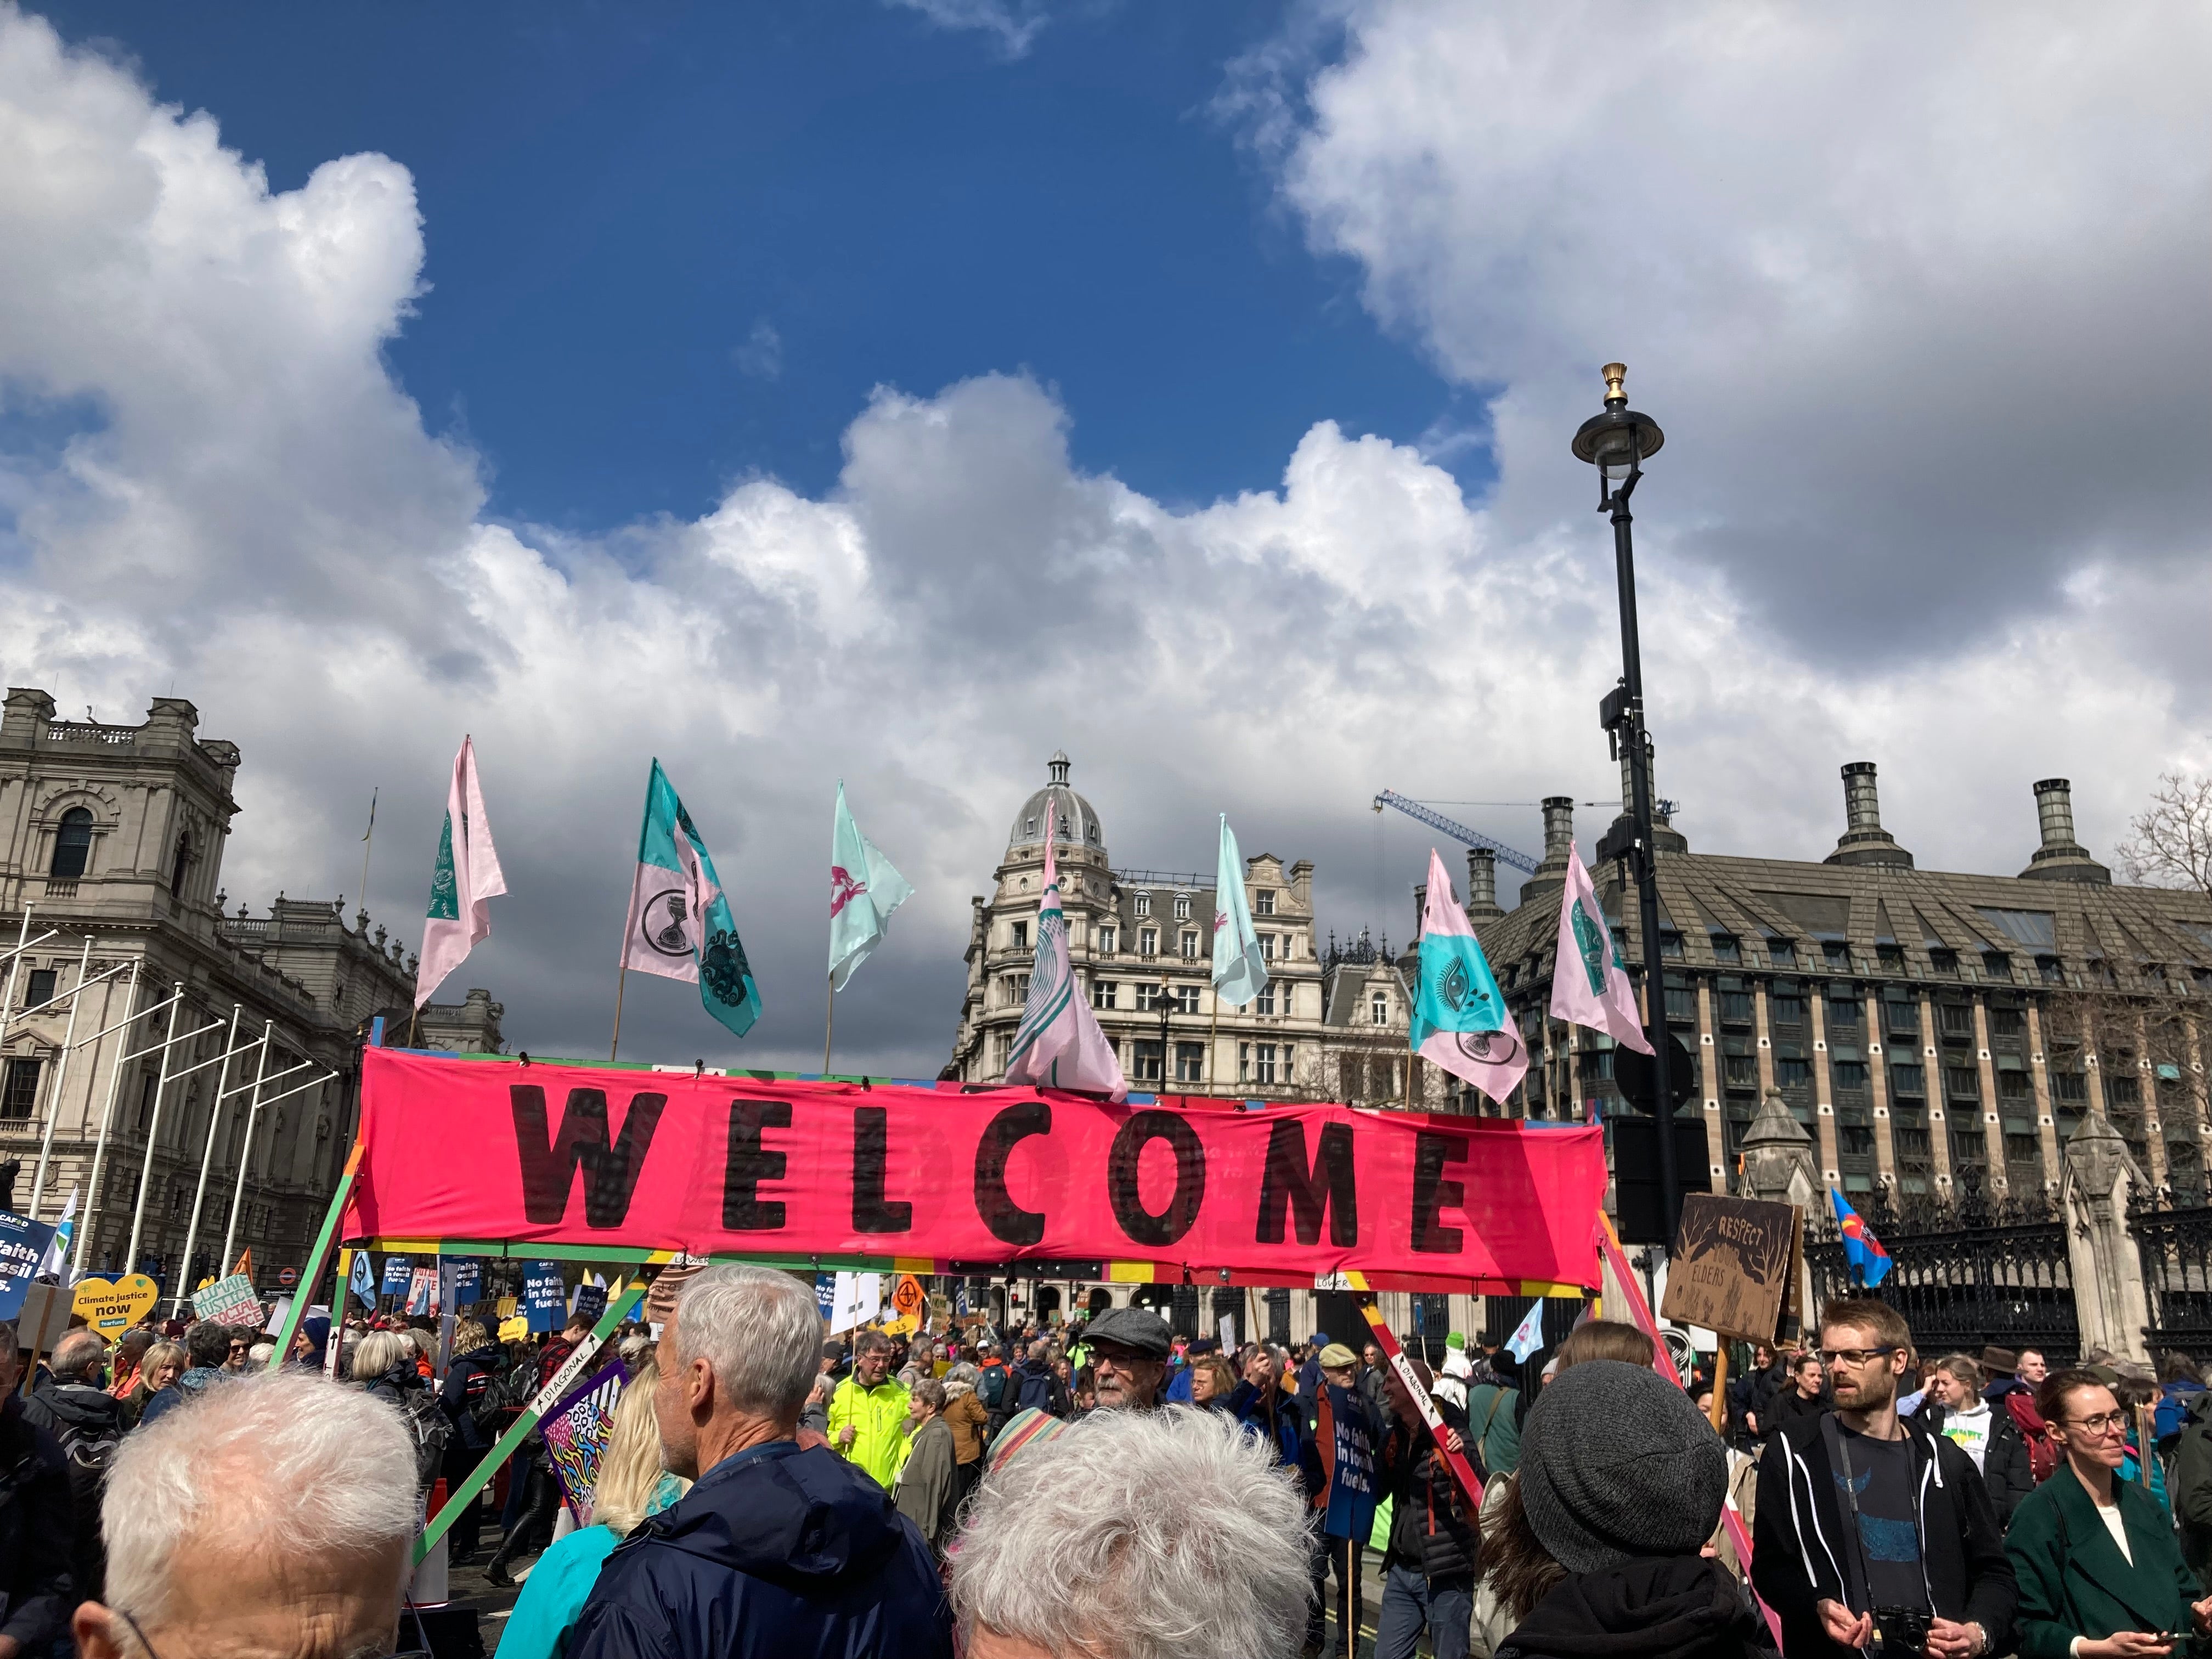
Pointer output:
x,y
1129,1349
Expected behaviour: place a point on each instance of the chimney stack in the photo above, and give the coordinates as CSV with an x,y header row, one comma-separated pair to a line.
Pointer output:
x,y
1864,840
1558,842
2061,858
1619,838
1420,909
1482,886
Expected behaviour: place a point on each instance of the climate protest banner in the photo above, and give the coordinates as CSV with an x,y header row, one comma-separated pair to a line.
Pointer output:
x,y
507,1151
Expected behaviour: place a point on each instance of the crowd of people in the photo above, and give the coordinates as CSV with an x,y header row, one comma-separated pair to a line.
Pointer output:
x,y
1107,1490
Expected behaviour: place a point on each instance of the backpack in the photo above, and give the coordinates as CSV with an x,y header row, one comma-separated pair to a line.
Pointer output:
x,y
493,1398
991,1387
430,1429
2042,1449
1035,1392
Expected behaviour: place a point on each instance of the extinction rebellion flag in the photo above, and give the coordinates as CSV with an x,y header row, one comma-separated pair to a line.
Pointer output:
x,y
467,879
1459,1019
680,925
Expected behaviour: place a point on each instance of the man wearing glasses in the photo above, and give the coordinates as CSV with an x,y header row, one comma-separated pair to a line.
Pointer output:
x,y
1129,1349
1868,1523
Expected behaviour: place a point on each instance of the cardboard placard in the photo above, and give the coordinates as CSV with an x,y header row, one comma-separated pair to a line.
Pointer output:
x,y
1729,1268
44,1318
228,1302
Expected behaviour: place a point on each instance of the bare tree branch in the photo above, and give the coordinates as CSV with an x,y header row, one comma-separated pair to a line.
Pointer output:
x,y
2170,844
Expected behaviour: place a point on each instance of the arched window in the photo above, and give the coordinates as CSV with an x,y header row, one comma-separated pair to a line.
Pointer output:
x,y
72,844
183,862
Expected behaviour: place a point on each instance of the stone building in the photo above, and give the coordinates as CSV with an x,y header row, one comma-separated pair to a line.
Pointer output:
x,y
1928,1028
113,836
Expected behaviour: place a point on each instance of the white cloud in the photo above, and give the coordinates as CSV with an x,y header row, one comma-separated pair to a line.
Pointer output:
x,y
1011,25
761,354
234,497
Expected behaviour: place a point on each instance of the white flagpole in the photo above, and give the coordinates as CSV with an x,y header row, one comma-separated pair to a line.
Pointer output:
x,y
245,1147
152,1133
15,967
61,1076
106,1117
207,1158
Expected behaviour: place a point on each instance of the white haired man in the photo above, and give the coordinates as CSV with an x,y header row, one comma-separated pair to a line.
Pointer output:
x,y
1191,1538
778,1548
271,1516
36,1591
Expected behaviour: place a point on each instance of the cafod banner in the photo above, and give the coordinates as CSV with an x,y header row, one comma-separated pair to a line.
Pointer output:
x,y
499,1150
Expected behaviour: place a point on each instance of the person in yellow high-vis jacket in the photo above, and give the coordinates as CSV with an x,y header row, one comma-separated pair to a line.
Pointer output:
x,y
868,1413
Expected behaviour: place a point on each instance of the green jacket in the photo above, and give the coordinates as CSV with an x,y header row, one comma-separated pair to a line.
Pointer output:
x,y
2075,1582
878,1416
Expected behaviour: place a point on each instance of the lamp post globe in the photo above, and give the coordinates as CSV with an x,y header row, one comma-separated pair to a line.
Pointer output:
x,y
1617,441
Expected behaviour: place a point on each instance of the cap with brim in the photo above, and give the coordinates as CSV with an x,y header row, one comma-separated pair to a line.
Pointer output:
x,y
1138,1329
1337,1356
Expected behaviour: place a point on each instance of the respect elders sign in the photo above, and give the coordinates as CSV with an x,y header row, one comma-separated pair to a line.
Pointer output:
x,y
500,1151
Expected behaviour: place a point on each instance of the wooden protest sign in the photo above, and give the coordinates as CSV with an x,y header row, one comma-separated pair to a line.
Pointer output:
x,y
1729,1268
44,1318
112,1308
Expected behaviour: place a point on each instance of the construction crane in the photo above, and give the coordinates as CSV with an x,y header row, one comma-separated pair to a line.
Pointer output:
x,y
1413,809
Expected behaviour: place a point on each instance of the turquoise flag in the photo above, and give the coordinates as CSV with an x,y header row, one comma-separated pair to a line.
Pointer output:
x,y
1240,972
680,925
1459,1013
864,889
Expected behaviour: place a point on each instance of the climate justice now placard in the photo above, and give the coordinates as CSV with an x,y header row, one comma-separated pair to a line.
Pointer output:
x,y
504,1153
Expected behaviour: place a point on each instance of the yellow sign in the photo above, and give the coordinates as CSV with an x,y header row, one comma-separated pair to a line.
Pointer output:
x,y
516,1330
902,1326
507,1305
112,1308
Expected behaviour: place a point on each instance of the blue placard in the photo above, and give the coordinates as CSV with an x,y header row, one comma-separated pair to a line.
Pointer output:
x,y
825,1293
23,1246
398,1274
590,1303
544,1299
468,1282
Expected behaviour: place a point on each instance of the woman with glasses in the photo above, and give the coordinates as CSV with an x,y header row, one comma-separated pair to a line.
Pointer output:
x,y
2100,1575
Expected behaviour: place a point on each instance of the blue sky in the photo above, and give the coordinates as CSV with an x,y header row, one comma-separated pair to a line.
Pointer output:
x,y
673,245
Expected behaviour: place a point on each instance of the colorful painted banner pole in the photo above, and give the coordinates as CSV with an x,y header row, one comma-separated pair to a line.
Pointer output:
x,y
1640,1310
317,1258
1463,1470
618,1309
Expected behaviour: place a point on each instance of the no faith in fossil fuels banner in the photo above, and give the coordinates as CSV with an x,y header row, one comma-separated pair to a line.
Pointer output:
x,y
505,1153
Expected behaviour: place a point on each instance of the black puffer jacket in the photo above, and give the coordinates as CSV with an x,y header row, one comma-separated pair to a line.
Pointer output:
x,y
86,1423
1675,1606
1432,1524
37,1593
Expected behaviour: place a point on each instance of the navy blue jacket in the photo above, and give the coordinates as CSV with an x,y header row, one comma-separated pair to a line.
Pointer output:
x,y
1285,1429
776,1552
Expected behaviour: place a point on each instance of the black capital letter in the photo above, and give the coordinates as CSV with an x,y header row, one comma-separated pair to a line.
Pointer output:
x,y
549,1162
1328,1185
872,1153
1432,1193
1008,1221
750,1163
1182,1213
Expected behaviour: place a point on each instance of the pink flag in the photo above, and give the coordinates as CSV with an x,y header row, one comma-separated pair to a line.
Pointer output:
x,y
1589,988
1058,1044
1459,1020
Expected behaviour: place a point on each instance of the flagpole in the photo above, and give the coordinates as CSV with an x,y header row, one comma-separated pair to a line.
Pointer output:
x,y
367,842
246,1148
621,979
108,1113
61,1077
1213,1046
828,1024
207,1161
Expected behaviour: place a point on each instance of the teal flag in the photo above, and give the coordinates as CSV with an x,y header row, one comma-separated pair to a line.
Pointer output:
x,y
864,889
1459,1013
680,925
1240,972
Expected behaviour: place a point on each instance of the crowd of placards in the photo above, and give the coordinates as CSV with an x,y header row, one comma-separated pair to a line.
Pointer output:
x,y
721,1479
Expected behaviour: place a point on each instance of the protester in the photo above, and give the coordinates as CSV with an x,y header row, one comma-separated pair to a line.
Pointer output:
x,y
309,1341
471,1398
1216,1571
259,1356
970,1422
129,1349
869,1411
1459,1371
1494,1412
1344,1496
777,1549
1211,1382
1605,1339
1129,1351
37,1589
1595,1549
1753,1395
1806,1397
1954,1407
1860,1510
206,1344
159,1369
928,1489
274,1517
2100,1575
1036,1384
86,1422
631,1485
1428,1567
2179,1386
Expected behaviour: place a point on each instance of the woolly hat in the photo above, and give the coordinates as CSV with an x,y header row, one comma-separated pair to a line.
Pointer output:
x,y
1616,1463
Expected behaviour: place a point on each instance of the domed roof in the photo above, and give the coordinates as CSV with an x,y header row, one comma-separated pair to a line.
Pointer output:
x,y
1075,823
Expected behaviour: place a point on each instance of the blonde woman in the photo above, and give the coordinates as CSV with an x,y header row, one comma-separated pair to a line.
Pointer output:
x,y
632,1485
163,1363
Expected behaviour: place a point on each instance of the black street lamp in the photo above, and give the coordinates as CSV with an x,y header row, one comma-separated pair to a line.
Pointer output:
x,y
1616,442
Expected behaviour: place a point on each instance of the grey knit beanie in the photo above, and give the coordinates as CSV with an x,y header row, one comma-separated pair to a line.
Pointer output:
x,y
1615,1463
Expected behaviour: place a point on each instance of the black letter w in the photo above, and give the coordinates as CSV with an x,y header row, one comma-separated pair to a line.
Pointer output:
x,y
549,1166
